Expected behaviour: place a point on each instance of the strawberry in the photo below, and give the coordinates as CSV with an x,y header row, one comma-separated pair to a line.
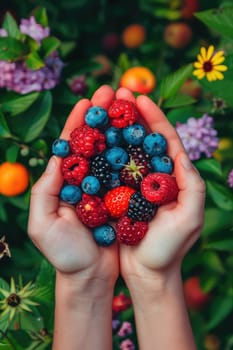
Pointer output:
x,y
130,232
87,141
117,200
122,113
159,188
92,211
74,169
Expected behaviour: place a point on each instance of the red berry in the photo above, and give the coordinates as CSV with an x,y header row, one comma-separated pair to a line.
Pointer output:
x,y
195,297
92,211
117,200
122,113
159,188
74,169
130,232
87,141
121,302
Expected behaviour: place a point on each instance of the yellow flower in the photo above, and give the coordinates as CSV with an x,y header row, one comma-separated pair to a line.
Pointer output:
x,y
15,300
209,65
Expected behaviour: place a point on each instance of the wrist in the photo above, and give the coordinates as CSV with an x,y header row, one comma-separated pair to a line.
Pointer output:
x,y
152,287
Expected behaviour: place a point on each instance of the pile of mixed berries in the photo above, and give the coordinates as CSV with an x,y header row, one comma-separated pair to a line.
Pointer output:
x,y
116,173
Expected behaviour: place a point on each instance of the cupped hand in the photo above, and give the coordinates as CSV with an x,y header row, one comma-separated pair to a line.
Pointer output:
x,y
176,226
53,224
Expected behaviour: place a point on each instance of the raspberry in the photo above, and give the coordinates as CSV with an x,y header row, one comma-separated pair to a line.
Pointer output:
x,y
140,209
92,211
117,200
159,188
74,169
87,141
122,113
130,232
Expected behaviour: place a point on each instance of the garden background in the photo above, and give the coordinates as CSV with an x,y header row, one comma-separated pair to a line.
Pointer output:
x,y
82,45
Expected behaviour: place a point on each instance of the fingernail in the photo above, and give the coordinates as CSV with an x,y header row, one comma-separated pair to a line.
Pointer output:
x,y
185,161
51,166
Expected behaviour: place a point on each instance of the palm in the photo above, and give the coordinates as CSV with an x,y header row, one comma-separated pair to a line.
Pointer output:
x,y
54,226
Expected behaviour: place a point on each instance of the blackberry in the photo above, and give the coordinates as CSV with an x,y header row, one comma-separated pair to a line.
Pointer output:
x,y
140,209
101,169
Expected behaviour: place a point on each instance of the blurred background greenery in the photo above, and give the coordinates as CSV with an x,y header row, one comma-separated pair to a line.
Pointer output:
x,y
90,44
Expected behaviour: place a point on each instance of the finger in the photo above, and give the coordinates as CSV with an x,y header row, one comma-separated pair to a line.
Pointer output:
x,y
44,201
103,97
158,122
125,94
75,118
191,197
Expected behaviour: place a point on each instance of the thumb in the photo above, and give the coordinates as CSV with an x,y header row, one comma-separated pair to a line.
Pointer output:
x,y
191,197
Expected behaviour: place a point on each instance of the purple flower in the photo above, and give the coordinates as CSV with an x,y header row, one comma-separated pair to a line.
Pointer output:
x,y
3,32
198,136
126,329
127,344
115,324
33,29
230,178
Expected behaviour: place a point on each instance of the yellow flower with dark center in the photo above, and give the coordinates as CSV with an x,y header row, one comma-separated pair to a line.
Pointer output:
x,y
14,300
209,65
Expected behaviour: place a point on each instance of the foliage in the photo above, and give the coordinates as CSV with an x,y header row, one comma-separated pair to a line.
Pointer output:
x,y
29,123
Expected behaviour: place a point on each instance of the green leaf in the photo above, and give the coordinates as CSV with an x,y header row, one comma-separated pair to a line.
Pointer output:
x,y
12,49
49,45
221,307
41,17
220,20
30,124
12,153
4,129
178,101
3,213
216,220
221,196
173,82
210,165
19,103
10,25
33,61
222,245
181,115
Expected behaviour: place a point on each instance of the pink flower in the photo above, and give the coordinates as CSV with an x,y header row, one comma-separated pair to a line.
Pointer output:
x,y
230,179
127,344
126,329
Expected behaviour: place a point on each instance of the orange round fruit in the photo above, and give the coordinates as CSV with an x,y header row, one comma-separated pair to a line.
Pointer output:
x,y
138,79
133,35
14,179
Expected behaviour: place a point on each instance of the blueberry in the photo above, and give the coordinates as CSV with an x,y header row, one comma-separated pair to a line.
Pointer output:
x,y
60,148
155,144
113,136
162,164
114,180
71,194
90,184
104,235
117,157
96,117
134,134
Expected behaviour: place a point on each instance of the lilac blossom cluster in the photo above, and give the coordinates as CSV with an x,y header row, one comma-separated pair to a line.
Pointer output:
x,y
16,76
230,179
198,136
